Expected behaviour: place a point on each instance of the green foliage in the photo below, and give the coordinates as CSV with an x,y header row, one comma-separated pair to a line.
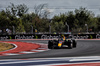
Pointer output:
x,y
17,16
20,27
4,21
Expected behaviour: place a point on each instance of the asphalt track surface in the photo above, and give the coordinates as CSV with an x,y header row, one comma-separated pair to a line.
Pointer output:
x,y
84,48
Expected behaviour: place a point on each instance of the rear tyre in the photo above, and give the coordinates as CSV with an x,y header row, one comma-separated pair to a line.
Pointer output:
x,y
74,43
70,45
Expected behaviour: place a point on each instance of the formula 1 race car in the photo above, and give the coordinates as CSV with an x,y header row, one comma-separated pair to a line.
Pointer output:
x,y
67,43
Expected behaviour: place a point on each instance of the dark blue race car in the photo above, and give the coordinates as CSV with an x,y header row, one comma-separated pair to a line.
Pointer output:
x,y
59,43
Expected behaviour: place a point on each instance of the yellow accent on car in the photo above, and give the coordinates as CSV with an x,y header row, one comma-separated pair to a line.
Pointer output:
x,y
59,44
63,38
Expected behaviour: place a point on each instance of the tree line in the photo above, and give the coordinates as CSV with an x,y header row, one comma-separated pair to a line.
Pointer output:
x,y
18,20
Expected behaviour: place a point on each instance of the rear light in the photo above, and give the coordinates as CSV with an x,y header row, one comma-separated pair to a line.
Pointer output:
x,y
59,44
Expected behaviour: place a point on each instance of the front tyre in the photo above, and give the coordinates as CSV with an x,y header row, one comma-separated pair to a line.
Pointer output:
x,y
50,44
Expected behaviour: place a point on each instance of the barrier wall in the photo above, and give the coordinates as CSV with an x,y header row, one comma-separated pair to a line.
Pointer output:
x,y
48,36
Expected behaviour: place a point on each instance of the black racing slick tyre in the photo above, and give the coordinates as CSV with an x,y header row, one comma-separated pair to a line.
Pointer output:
x,y
74,43
70,45
50,44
